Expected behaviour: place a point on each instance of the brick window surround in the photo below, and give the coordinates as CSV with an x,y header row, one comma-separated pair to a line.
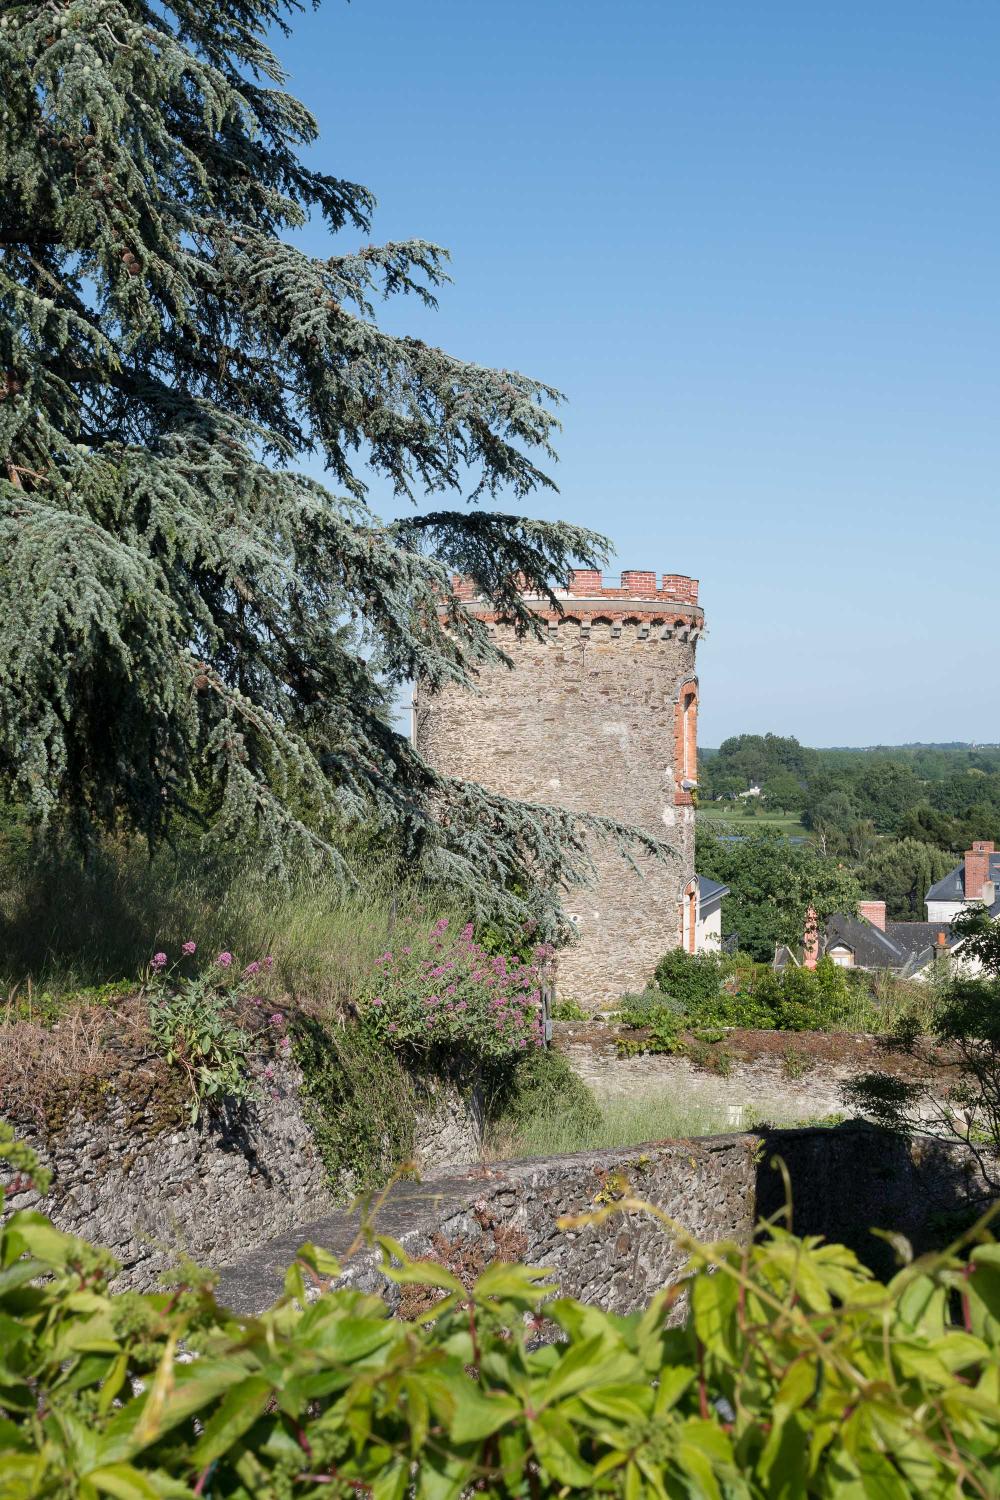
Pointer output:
x,y
685,741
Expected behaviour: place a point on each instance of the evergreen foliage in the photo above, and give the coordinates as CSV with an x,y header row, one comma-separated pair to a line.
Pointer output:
x,y
192,626
772,885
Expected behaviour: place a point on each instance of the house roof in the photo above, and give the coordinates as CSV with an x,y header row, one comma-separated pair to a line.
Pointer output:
x,y
872,948
951,887
710,892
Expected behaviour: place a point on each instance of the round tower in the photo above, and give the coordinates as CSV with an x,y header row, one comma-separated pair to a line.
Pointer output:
x,y
599,716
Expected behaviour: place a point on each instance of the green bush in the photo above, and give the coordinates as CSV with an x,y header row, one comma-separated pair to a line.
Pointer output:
x,y
568,1010
696,990
690,978
795,1375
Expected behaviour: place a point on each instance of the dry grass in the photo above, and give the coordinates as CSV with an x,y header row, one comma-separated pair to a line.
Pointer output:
x,y
88,1043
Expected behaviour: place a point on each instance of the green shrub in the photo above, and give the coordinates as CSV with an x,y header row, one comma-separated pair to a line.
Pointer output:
x,y
795,1375
689,978
358,1100
542,1085
568,1010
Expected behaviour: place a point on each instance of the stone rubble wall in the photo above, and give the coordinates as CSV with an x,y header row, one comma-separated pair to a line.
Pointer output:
x,y
511,1212
844,1183
150,1192
748,1078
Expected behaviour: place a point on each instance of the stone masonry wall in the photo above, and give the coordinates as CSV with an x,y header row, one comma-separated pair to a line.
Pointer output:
x,y
215,1190
588,720
510,1212
745,1079
844,1183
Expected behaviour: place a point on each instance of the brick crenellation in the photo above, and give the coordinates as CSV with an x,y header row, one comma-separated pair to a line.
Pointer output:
x,y
636,583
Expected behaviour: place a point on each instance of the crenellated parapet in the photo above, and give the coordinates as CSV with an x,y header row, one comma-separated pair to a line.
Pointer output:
x,y
659,606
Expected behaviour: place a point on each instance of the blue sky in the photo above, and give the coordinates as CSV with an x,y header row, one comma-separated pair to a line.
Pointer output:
x,y
758,247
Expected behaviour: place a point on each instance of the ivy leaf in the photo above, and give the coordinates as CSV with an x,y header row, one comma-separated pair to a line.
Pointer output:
x,y
558,1449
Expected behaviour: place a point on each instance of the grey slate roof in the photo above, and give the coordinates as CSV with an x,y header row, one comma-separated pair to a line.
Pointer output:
x,y
906,946
951,887
710,893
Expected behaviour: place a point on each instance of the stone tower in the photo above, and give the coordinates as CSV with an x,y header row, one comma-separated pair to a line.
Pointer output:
x,y
599,716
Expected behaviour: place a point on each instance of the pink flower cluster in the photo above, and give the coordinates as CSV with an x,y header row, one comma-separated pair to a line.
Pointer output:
x,y
223,960
441,990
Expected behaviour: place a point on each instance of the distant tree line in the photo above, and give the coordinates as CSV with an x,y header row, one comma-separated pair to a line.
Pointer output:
x,y
898,818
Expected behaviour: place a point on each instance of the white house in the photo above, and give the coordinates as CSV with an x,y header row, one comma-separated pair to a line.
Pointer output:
x,y
975,879
708,919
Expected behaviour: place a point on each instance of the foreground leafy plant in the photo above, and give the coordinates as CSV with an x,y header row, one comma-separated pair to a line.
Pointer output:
x,y
796,1375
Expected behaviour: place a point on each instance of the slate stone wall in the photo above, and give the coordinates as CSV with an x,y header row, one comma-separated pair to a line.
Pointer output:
x,y
150,1192
744,1079
844,1183
510,1212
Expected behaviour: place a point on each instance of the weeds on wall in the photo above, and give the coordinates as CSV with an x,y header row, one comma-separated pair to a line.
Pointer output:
x,y
359,1102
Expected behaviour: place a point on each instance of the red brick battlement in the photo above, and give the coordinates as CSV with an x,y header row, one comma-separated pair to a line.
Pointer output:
x,y
636,583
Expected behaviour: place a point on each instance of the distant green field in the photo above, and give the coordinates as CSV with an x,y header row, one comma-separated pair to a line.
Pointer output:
x,y
736,812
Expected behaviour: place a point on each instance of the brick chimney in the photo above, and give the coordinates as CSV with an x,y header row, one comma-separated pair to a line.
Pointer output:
x,y
977,869
873,912
810,940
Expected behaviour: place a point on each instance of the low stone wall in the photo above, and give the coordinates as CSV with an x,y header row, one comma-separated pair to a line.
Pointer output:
x,y
510,1212
133,1175
853,1179
747,1078
844,1183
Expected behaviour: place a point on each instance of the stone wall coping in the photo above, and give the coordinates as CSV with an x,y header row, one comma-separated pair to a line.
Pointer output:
x,y
813,1048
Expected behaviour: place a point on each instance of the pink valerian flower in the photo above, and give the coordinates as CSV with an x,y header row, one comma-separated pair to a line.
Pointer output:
x,y
441,926
385,958
392,1026
158,961
252,968
269,1071
285,1043
224,960
188,948
406,950
452,990
467,931
277,1020
268,962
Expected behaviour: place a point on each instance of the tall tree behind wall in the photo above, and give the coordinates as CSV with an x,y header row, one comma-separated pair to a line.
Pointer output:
x,y
173,592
